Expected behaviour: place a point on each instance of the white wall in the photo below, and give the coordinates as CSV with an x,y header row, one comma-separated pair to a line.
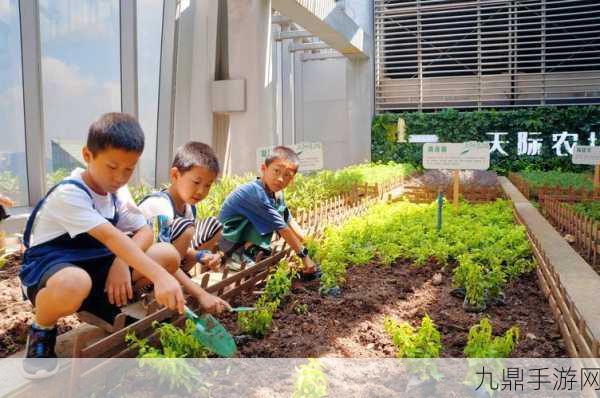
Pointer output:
x,y
287,100
334,101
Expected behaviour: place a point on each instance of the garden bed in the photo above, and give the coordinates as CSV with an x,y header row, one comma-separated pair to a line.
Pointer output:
x,y
352,325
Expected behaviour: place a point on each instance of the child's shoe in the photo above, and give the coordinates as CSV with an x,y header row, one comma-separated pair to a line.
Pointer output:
x,y
41,361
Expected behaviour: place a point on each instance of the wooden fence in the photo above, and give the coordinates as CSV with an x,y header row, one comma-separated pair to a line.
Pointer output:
x,y
565,194
584,230
419,194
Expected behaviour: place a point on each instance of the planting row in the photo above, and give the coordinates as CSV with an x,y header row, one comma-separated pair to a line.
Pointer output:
x,y
392,264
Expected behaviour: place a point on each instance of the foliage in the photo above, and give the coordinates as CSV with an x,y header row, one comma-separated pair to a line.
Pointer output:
x,y
174,343
588,209
310,380
9,184
3,254
424,342
139,192
56,176
482,344
304,191
547,179
483,239
454,126
258,322
326,184
277,287
279,282
211,205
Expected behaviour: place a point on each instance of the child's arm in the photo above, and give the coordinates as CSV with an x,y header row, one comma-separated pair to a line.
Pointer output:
x,y
166,288
118,283
211,304
295,243
297,229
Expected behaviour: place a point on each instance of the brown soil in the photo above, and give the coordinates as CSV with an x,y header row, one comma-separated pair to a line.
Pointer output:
x,y
352,325
16,314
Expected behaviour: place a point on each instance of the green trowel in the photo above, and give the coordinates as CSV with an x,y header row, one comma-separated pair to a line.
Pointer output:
x,y
212,334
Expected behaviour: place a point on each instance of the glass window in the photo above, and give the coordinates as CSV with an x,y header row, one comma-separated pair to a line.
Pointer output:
x,y
13,166
149,35
81,75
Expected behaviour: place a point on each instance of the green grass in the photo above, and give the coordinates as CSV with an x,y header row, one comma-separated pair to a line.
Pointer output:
x,y
558,179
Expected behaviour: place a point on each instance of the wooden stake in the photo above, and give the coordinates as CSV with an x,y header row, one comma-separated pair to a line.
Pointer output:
x,y
597,176
456,175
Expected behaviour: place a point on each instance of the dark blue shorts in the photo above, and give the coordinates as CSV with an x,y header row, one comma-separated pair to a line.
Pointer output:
x,y
97,302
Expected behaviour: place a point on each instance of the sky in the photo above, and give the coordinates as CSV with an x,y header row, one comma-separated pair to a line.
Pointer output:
x,y
80,68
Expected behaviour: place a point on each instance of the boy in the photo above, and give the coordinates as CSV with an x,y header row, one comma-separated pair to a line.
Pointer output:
x,y
173,210
78,254
255,210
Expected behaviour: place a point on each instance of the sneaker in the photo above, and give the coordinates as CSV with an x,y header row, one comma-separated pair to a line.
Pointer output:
x,y
41,361
234,263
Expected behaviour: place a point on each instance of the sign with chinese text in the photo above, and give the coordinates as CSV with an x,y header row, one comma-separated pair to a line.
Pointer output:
x,y
310,153
463,156
585,154
422,138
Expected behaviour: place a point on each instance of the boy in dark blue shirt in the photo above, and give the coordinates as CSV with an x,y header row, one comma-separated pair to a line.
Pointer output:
x,y
255,210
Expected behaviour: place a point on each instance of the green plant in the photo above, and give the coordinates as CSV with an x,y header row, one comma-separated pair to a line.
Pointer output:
x,y
3,256
56,176
424,342
139,192
279,283
455,126
588,209
310,380
483,239
258,322
175,343
301,309
558,179
482,344
9,184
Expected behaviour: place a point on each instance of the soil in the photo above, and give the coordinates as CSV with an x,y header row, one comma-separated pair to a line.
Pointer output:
x,y
352,325
16,314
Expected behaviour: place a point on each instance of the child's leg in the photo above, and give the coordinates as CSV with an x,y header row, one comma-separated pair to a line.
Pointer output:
x,y
63,294
164,254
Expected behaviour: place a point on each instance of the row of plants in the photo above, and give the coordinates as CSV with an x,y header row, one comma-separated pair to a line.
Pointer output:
x,y
590,210
279,284
425,341
557,179
481,241
305,190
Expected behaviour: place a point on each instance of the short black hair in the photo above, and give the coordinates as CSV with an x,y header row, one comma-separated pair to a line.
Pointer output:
x,y
195,154
115,130
283,153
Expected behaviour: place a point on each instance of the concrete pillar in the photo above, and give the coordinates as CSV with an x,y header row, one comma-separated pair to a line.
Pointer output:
x,y
250,59
195,72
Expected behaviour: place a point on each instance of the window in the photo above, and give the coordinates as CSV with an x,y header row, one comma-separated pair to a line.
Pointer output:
x,y
149,36
81,76
433,54
13,163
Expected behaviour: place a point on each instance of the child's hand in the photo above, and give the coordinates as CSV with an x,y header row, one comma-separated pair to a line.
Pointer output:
x,y
168,292
5,201
118,283
212,261
309,265
212,304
